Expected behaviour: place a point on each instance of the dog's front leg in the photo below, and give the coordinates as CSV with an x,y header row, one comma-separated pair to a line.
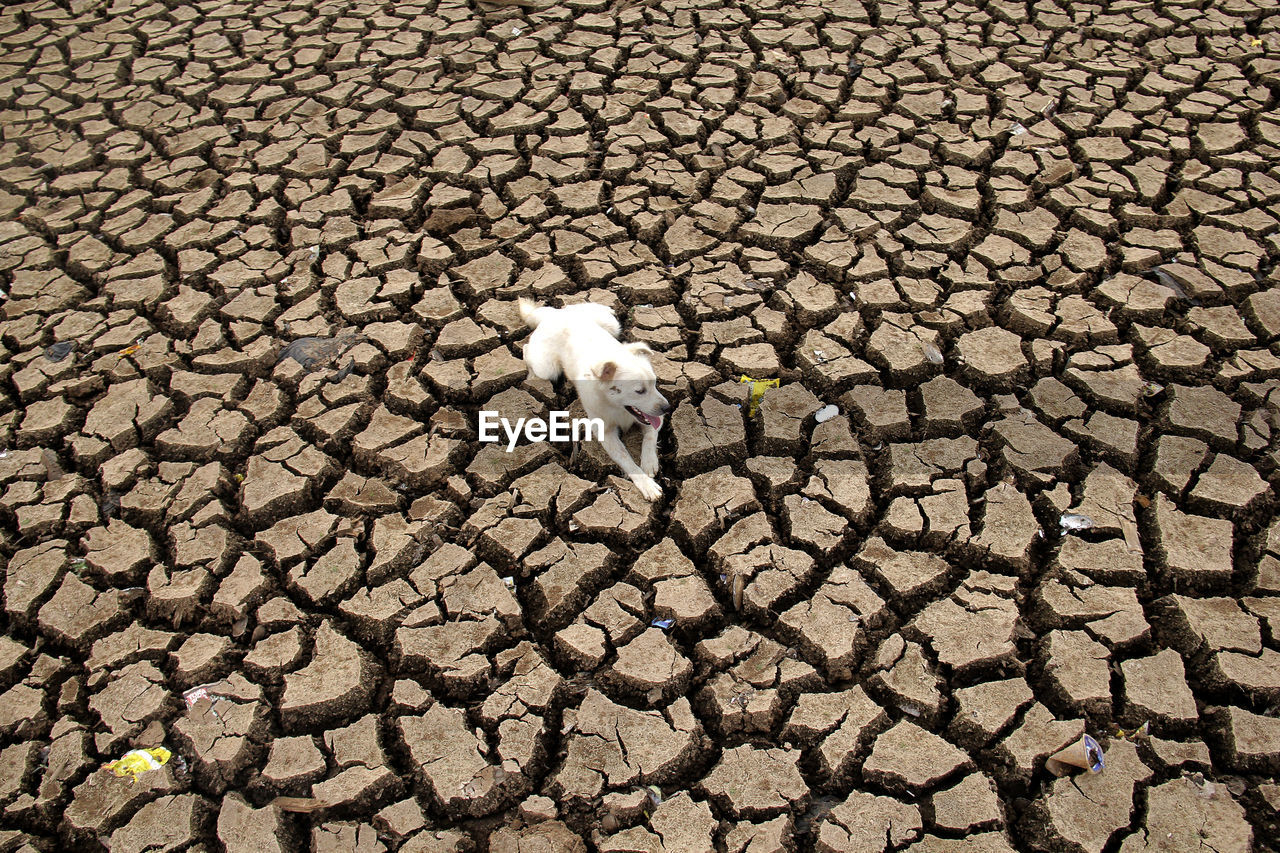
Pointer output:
x,y
649,489
649,452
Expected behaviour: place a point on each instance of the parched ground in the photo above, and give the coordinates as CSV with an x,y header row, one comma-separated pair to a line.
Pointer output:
x,y
261,262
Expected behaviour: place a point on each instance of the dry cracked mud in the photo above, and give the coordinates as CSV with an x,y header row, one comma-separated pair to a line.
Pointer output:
x,y
1012,264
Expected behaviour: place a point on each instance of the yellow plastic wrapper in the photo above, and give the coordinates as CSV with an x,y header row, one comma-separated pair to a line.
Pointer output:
x,y
138,761
758,387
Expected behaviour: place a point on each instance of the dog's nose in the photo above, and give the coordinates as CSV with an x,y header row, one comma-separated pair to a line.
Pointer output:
x,y
664,408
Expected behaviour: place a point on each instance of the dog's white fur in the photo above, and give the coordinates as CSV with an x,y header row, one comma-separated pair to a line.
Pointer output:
x,y
612,379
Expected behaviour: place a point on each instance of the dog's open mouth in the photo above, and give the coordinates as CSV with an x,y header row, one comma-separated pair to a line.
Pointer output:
x,y
654,421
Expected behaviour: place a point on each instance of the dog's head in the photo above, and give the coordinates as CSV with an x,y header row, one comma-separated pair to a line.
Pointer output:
x,y
629,381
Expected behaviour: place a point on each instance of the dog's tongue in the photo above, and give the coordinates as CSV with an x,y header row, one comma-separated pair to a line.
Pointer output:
x,y
654,421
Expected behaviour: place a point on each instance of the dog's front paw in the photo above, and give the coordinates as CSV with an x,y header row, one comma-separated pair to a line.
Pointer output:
x,y
649,463
649,488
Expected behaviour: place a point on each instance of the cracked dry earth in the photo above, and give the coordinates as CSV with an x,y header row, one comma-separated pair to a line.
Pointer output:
x,y
261,262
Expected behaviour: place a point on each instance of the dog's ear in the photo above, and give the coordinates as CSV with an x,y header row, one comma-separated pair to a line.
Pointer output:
x,y
638,348
605,370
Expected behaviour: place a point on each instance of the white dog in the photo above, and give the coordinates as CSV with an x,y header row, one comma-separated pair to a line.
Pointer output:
x,y
615,381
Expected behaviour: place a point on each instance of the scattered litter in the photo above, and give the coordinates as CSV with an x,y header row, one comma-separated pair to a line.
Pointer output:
x,y
302,805
1075,521
131,349
947,102
1255,42
820,356
1017,129
758,387
343,372
743,698
855,68
737,592
509,582
655,795
135,762
311,352
1170,280
1084,753
826,413
1140,732
910,710
932,353
315,252
664,624
515,31
1206,787
195,694
1151,389
59,351
1131,541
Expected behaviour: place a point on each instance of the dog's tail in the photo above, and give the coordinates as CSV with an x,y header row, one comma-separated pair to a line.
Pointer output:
x,y
533,313
529,312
